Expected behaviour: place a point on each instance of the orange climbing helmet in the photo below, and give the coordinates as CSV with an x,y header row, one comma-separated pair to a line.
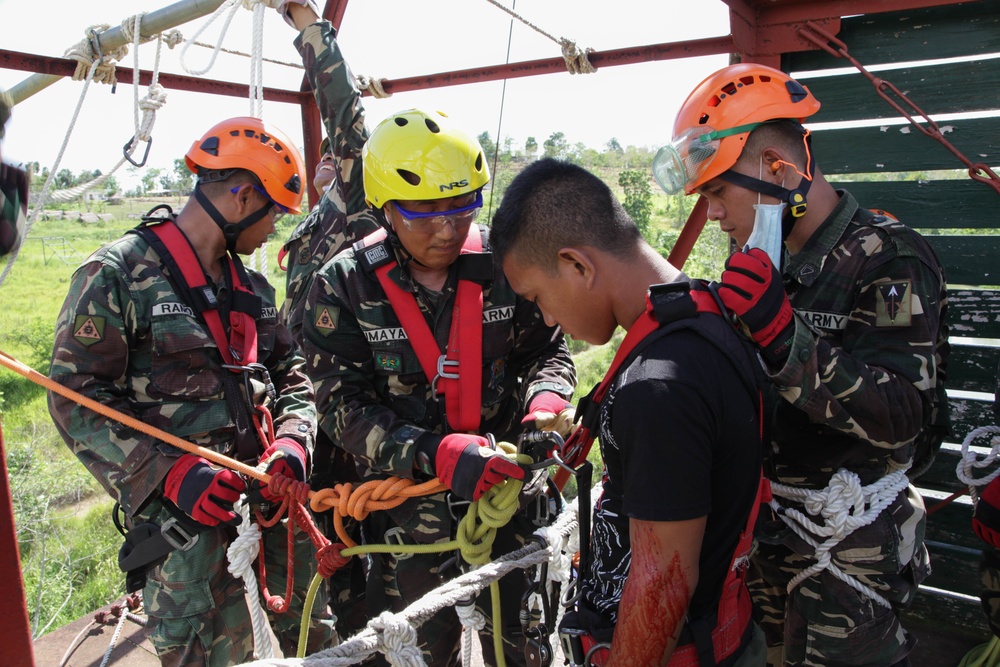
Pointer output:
x,y
248,143
417,155
712,126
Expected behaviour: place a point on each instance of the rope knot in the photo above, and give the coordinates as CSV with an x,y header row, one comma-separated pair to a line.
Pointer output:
x,y
397,639
330,559
373,85
576,60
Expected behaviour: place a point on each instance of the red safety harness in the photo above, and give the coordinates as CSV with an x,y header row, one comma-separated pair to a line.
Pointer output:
x,y
238,347
458,372
667,311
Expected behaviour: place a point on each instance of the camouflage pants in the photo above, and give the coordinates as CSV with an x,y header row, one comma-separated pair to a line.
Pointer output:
x,y
408,579
989,576
198,612
824,621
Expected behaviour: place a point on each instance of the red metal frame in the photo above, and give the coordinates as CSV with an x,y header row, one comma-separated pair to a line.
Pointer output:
x,y
760,30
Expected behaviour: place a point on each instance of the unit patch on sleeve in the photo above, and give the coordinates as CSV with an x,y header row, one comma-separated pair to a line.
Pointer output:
x,y
88,329
894,304
389,361
326,319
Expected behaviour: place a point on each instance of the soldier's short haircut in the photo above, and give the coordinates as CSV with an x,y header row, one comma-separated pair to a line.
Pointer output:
x,y
786,133
554,204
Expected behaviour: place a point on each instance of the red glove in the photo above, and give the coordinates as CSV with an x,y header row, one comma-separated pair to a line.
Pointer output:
x,y
548,411
986,518
468,464
752,289
204,491
284,457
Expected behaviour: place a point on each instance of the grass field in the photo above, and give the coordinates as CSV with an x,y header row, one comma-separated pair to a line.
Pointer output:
x,y
68,543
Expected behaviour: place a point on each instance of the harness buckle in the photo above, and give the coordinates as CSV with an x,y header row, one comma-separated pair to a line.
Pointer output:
x,y
395,536
443,364
457,506
176,536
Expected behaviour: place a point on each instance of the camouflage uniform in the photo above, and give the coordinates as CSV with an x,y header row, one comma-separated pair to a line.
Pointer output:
x,y
375,401
342,216
859,385
127,339
339,219
13,193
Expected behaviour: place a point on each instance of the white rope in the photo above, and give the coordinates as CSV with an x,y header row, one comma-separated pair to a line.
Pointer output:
x,y
39,203
114,638
473,622
844,506
241,555
155,98
372,85
256,59
450,593
577,61
87,53
397,640
232,6
970,460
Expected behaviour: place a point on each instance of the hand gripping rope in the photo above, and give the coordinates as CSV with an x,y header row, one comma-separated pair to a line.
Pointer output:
x,y
476,531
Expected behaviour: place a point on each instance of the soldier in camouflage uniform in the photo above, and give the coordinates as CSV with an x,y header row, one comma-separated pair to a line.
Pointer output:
x,y
13,192
854,342
131,337
340,218
375,396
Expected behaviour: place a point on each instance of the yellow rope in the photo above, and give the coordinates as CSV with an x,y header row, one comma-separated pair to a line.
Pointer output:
x,y
984,655
476,531
306,621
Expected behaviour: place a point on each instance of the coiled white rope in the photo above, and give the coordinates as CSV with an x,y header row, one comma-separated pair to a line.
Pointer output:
x,y
473,622
387,633
577,61
844,506
970,460
241,555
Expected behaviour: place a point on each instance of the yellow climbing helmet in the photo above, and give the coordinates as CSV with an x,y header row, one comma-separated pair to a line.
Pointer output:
x,y
417,155
247,143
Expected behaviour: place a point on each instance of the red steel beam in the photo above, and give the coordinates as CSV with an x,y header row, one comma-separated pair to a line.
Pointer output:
x,y
627,56
62,67
15,631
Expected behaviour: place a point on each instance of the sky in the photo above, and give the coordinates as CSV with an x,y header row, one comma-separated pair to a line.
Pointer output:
x,y
634,104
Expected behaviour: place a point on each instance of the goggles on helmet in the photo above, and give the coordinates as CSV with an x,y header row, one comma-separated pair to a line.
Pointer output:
x,y
687,157
277,211
432,221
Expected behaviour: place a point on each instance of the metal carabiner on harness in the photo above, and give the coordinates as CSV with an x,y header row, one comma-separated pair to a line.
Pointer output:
x,y
254,369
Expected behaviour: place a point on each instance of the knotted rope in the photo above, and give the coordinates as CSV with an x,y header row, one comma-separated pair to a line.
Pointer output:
x,y
970,460
373,85
844,506
241,554
577,61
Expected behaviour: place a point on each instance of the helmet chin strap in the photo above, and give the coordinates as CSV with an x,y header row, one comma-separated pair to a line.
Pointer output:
x,y
230,230
795,198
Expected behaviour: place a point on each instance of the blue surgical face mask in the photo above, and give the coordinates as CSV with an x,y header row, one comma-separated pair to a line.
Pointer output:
x,y
766,233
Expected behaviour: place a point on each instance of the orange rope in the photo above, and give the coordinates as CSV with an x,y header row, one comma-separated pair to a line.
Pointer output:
x,y
380,494
347,501
215,457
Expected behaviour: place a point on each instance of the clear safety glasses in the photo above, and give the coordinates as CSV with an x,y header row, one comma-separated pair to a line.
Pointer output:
x,y
432,221
685,159
277,211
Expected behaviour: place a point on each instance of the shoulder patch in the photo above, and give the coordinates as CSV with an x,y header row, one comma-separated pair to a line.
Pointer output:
x,y
88,329
893,304
327,318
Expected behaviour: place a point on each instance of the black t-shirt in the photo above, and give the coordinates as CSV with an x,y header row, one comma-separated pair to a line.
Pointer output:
x,y
680,437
